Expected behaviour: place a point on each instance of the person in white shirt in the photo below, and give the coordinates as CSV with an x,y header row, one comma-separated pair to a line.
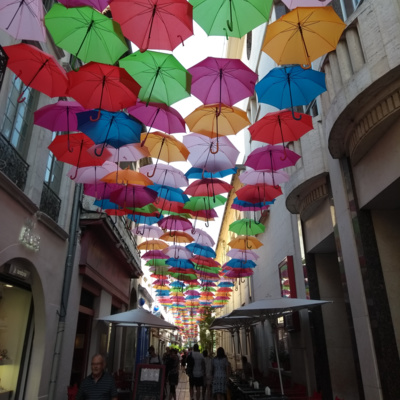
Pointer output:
x,y
196,379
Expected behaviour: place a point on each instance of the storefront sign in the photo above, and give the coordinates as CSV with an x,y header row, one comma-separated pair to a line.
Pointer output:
x,y
18,272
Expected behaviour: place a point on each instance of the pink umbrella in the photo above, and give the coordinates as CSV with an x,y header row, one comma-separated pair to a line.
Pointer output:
x,y
264,176
177,251
202,149
149,231
243,254
202,237
133,196
239,273
166,175
208,187
272,157
100,190
222,80
175,223
158,116
23,19
129,152
292,4
99,5
92,174
154,254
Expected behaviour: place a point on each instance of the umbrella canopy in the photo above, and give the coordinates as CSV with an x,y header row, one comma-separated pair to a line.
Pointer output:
x,y
154,24
281,127
197,203
175,223
103,86
208,187
271,157
222,80
92,174
303,35
245,243
133,196
290,86
292,4
202,237
149,231
258,193
152,245
246,227
201,250
127,177
210,154
243,254
199,173
99,5
23,19
140,317
128,152
178,252
37,69
232,18
162,77
177,237
264,176
158,116
86,33
166,175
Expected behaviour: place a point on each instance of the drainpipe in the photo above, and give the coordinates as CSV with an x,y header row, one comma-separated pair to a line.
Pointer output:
x,y
69,265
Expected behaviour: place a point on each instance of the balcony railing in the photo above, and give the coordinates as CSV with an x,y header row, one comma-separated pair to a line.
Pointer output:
x,y
50,203
12,164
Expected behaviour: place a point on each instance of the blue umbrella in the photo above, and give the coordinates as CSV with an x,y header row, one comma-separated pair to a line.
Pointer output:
x,y
114,128
180,263
201,250
144,220
238,263
199,173
170,193
106,204
290,86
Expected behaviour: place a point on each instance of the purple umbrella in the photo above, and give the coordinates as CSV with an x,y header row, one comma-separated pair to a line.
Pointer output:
x,y
243,254
177,251
149,231
271,157
99,5
100,190
292,4
154,255
166,175
129,152
264,176
133,196
202,237
222,80
202,150
175,223
92,174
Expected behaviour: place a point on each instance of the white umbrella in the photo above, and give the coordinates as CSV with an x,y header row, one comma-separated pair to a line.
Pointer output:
x,y
139,317
269,309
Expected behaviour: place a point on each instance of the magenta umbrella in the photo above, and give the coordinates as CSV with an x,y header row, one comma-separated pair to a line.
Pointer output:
x,y
202,149
133,196
177,251
99,5
243,254
129,152
92,174
166,175
100,190
222,80
272,157
202,237
175,223
154,255
158,116
292,4
264,176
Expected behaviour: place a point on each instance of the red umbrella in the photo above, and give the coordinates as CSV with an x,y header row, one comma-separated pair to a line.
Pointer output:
x,y
208,187
37,70
175,223
271,157
154,24
103,86
281,127
73,150
258,193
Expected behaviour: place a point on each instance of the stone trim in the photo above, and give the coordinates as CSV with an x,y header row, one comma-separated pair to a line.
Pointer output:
x,y
311,200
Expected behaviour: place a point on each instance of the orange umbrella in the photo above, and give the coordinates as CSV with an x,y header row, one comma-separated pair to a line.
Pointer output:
x,y
127,177
152,245
164,147
245,242
217,119
303,35
177,237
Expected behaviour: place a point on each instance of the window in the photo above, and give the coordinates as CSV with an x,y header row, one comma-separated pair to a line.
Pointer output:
x,y
18,117
344,8
54,171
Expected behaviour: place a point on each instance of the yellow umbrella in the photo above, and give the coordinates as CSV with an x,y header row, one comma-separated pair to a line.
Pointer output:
x,y
164,147
152,245
127,177
177,237
303,35
245,242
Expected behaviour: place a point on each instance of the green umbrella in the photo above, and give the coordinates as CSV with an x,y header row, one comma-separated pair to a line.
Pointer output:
x,y
86,33
247,227
232,18
162,77
198,203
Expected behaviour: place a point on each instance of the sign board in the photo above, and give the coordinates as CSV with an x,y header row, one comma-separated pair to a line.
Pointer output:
x,y
149,382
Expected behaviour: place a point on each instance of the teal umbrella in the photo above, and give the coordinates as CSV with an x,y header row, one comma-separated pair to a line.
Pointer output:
x,y
86,33
162,77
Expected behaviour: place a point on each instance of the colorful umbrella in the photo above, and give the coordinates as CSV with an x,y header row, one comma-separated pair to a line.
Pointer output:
x,y
271,157
243,254
154,24
86,33
175,223
290,86
166,175
115,129
37,70
197,203
133,196
281,127
210,154
303,35
23,19
129,152
92,174
177,237
258,193
100,190
292,4
202,237
201,250
103,86
178,252
222,81
208,187
154,255
232,18
164,147
127,177
246,227
158,116
149,231
162,77
99,5
264,176
152,245
238,263
199,173
245,242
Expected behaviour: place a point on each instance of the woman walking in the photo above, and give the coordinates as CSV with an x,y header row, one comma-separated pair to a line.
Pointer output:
x,y
221,371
